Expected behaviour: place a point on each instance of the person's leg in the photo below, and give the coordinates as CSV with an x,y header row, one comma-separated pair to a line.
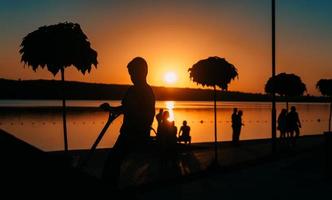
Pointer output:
x,y
234,135
291,132
297,132
282,134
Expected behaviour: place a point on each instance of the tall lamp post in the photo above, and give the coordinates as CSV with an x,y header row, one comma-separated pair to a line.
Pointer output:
x,y
273,118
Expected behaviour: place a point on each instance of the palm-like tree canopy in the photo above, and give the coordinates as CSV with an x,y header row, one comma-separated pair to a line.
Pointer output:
x,y
325,86
213,71
285,85
58,46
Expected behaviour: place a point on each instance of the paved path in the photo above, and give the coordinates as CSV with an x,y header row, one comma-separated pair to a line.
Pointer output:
x,y
299,176
147,169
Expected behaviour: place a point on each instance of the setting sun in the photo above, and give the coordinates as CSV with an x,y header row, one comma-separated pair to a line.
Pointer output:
x,y
170,77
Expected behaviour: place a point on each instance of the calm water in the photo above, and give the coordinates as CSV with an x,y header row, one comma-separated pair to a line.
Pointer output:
x,y
44,128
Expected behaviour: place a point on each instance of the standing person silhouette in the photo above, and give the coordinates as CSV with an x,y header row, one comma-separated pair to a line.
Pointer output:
x,y
237,125
234,119
138,108
159,118
282,126
294,124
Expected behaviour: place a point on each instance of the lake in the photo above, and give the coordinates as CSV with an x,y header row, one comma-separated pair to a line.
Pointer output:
x,y
43,128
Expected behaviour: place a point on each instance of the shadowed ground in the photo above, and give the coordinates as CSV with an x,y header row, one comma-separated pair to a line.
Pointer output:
x,y
146,169
246,171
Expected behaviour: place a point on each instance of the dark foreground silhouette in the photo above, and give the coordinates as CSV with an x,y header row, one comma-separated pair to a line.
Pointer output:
x,y
24,167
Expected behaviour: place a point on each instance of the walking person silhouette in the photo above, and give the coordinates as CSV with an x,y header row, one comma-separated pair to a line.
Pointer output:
x,y
138,108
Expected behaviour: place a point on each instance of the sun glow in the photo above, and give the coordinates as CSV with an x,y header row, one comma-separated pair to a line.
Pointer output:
x,y
170,77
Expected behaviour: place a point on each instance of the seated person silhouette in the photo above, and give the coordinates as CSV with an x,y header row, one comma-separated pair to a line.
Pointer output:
x,y
185,136
138,108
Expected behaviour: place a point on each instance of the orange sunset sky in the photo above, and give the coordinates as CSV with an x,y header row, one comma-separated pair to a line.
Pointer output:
x,y
173,35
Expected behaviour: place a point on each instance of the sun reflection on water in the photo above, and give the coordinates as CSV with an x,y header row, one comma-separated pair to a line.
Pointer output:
x,y
170,107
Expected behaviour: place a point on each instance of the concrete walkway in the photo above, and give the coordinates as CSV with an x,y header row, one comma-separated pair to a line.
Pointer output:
x,y
300,176
246,171
144,170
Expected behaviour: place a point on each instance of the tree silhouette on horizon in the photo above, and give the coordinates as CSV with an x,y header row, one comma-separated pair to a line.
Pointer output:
x,y
57,47
213,72
325,88
287,85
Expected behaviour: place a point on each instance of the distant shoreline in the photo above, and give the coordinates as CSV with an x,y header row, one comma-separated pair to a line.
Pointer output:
x,y
89,108
52,90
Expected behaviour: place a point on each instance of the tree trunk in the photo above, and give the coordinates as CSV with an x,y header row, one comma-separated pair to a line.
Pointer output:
x,y
64,110
215,126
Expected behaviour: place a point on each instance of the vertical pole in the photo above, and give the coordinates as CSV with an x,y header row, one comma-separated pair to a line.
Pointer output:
x,y
64,111
330,117
215,126
274,131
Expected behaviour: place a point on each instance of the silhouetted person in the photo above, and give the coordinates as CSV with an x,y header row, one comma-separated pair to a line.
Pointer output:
x,y
138,108
164,131
185,130
159,118
173,134
234,119
237,125
293,124
282,126
167,139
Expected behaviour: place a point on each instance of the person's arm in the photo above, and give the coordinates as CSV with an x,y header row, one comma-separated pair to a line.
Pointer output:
x,y
180,131
299,121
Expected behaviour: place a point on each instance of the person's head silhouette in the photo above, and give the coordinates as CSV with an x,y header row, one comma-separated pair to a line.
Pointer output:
x,y
165,116
293,109
184,123
138,70
234,110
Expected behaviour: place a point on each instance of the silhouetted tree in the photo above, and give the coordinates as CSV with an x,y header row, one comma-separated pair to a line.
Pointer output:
x,y
287,85
213,72
325,88
57,47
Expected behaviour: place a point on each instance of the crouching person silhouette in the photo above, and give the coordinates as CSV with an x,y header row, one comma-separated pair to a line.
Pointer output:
x,y
138,108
